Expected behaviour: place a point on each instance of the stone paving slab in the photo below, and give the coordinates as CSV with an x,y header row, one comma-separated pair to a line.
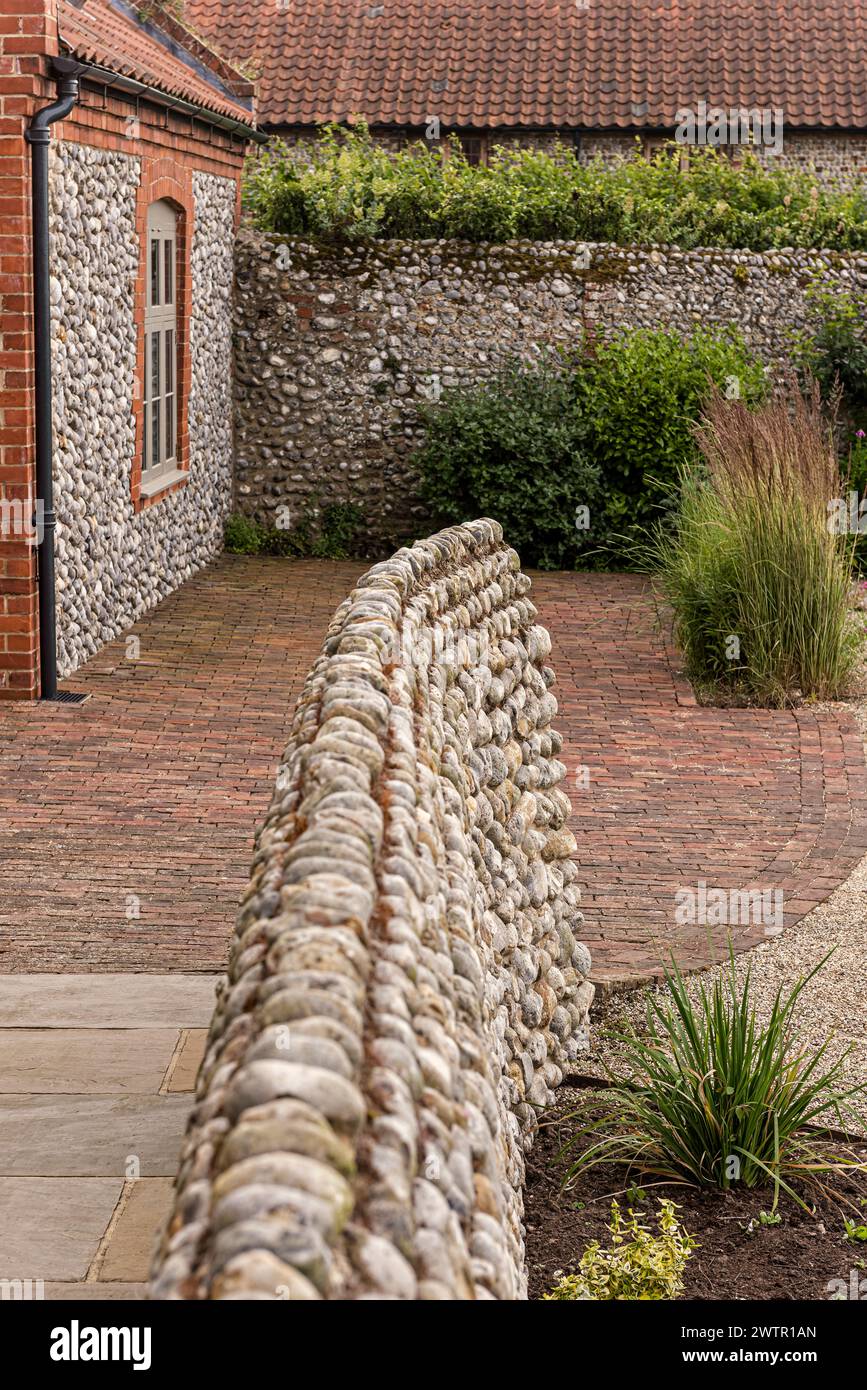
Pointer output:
x,y
50,1228
90,1135
182,1076
130,1245
84,1061
93,1117
106,1001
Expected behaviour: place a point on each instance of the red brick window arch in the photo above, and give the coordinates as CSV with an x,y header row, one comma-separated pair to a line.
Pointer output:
x,y
164,224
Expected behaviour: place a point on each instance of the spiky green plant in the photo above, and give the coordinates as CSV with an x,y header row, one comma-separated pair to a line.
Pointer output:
x,y
715,1098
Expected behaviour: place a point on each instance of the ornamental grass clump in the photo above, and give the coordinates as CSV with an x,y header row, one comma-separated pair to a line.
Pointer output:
x,y
716,1098
757,575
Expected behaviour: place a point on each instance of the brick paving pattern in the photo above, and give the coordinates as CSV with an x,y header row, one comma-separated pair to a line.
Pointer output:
x,y
676,794
126,823
146,798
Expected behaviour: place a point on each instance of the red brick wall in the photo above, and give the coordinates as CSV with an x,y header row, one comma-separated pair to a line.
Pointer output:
x,y
170,146
24,37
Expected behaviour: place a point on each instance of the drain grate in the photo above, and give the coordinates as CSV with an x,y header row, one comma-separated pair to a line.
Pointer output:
x,y
67,697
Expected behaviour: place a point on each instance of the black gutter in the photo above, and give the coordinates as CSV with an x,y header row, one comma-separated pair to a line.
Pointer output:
x,y
104,77
38,136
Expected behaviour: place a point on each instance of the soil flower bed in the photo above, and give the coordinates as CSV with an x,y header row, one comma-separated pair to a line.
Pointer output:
x,y
739,1255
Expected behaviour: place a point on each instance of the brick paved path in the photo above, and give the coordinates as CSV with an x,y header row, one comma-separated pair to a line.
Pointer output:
x,y
144,800
762,799
152,790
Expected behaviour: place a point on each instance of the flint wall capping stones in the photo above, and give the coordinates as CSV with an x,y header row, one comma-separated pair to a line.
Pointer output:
x,y
405,986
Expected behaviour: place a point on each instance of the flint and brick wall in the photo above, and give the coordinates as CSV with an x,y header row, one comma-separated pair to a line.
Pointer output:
x,y
117,554
405,987
337,348
26,27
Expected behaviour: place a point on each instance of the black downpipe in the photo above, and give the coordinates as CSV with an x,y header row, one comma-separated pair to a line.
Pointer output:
x,y
38,136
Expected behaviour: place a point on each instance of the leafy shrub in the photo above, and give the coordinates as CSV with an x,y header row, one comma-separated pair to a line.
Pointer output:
x,y
757,577
343,185
715,1098
608,427
640,394
834,351
242,535
514,448
332,538
639,1265
854,469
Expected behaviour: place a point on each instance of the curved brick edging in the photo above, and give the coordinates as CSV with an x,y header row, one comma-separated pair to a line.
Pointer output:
x,y
404,988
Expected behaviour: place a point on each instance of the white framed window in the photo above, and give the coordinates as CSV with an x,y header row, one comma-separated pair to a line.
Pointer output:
x,y
159,455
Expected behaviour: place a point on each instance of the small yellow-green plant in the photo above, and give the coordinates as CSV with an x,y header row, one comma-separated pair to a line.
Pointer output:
x,y
854,1231
639,1265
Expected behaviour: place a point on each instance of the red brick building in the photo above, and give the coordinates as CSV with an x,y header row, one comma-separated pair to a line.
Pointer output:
x,y
142,202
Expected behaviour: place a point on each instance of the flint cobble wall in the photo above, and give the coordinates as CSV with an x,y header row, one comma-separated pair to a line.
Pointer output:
x,y
336,348
405,987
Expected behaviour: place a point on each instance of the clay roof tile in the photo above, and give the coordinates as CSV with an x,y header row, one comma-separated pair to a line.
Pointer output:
x,y
151,46
613,63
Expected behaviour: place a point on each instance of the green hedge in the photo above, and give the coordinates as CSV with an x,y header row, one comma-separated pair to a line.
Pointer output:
x,y
608,428
833,349
833,352
346,187
326,535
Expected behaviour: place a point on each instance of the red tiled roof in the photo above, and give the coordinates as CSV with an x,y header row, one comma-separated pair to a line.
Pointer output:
x,y
573,63
159,52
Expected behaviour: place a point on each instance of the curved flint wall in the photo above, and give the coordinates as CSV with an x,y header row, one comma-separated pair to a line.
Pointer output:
x,y
405,987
